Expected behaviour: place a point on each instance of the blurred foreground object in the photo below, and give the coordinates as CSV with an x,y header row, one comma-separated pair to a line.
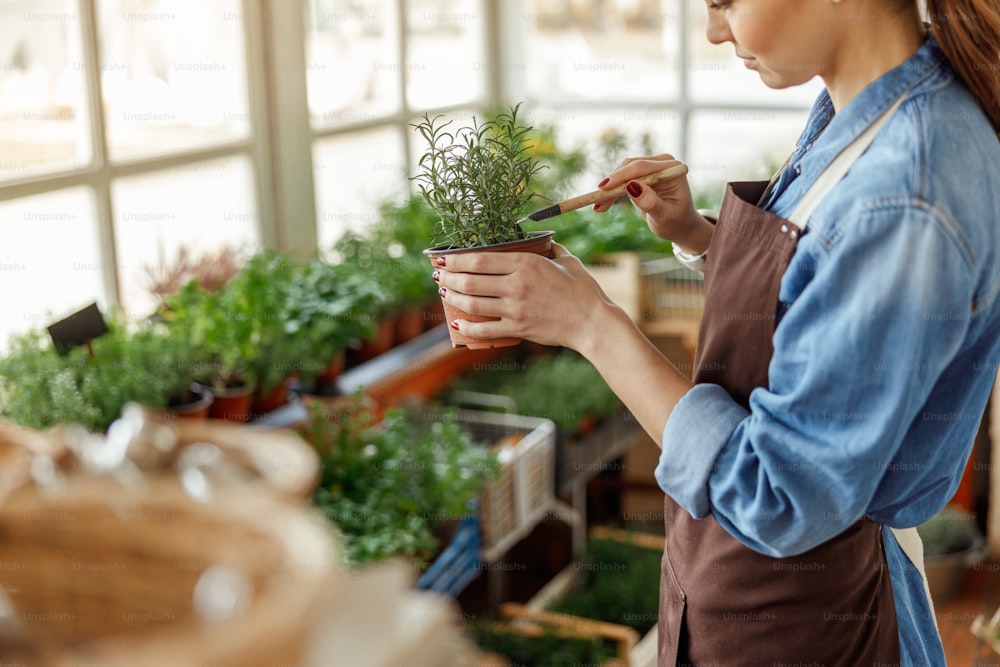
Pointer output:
x,y
190,543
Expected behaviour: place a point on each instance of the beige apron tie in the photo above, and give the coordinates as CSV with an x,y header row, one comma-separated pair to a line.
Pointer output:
x,y
908,538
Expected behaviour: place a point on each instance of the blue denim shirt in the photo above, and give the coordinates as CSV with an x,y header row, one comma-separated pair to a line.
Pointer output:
x,y
887,344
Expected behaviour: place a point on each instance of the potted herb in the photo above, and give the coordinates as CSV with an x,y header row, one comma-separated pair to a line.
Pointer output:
x,y
403,229
220,325
952,544
329,308
477,180
388,485
261,293
40,388
242,329
370,258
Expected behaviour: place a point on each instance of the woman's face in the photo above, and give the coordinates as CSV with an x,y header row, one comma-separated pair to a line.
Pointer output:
x,y
787,42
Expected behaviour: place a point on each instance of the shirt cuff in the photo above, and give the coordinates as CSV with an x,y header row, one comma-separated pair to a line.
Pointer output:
x,y
691,260
700,426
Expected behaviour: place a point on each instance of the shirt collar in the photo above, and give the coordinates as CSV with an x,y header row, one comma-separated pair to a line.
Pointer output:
x,y
827,133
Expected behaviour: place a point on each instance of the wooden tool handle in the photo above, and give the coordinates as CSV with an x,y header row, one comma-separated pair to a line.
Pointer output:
x,y
609,195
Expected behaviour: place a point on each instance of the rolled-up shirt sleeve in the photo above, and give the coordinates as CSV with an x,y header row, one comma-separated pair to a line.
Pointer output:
x,y
872,321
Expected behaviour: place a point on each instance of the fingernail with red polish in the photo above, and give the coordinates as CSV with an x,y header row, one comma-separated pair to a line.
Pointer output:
x,y
602,183
634,189
442,291
454,325
436,276
441,261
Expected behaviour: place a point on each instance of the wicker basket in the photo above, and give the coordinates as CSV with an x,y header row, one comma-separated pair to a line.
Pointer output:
x,y
112,574
157,558
671,291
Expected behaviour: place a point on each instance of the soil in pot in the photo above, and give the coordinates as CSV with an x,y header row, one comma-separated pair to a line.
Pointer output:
x,y
539,243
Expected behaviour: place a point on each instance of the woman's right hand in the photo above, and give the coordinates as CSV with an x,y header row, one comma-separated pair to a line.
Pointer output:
x,y
667,206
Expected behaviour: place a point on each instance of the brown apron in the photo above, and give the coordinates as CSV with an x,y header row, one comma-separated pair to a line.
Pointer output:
x,y
722,603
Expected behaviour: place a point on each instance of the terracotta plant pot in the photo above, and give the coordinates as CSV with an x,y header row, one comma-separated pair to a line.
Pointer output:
x,y
333,369
539,243
272,400
195,404
233,403
378,344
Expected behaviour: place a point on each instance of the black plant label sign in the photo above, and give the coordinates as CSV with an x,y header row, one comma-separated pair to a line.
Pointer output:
x,y
79,328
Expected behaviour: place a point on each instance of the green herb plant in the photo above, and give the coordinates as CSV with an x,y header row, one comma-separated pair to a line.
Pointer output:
x,y
40,388
330,306
563,387
549,649
477,179
388,485
616,584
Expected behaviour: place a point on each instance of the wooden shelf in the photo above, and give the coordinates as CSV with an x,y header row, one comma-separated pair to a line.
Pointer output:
x,y
417,370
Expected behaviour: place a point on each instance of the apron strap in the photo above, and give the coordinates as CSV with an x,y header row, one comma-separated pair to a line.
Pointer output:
x,y
839,168
908,538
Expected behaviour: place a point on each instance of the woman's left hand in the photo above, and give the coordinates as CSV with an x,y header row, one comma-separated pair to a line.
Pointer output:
x,y
548,301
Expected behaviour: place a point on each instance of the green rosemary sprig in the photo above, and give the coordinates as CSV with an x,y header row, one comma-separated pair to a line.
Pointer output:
x,y
476,179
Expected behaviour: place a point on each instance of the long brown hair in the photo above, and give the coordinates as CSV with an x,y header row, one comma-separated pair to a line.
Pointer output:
x,y
968,32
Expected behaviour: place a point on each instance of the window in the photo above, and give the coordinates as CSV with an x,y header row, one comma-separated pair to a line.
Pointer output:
x,y
131,128
372,68
125,133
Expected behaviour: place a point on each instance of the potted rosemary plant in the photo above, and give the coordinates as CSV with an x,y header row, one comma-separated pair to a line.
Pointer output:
x,y
477,180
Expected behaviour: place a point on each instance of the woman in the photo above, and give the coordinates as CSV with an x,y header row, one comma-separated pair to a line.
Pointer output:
x,y
851,309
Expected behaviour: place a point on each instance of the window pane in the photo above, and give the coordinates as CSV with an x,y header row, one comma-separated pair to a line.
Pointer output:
x,y
740,145
50,263
173,74
202,207
445,56
717,75
353,175
352,60
44,122
599,50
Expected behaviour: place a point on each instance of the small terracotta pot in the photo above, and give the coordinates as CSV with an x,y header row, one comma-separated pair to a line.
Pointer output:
x,y
195,409
272,400
378,344
232,404
539,243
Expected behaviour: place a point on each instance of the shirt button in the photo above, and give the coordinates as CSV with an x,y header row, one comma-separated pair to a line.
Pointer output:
x,y
794,235
784,229
798,169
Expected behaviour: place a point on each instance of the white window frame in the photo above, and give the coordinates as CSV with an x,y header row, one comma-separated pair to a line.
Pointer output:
x,y
281,140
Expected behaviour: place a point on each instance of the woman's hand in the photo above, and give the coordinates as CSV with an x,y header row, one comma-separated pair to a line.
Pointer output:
x,y
548,301
667,207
